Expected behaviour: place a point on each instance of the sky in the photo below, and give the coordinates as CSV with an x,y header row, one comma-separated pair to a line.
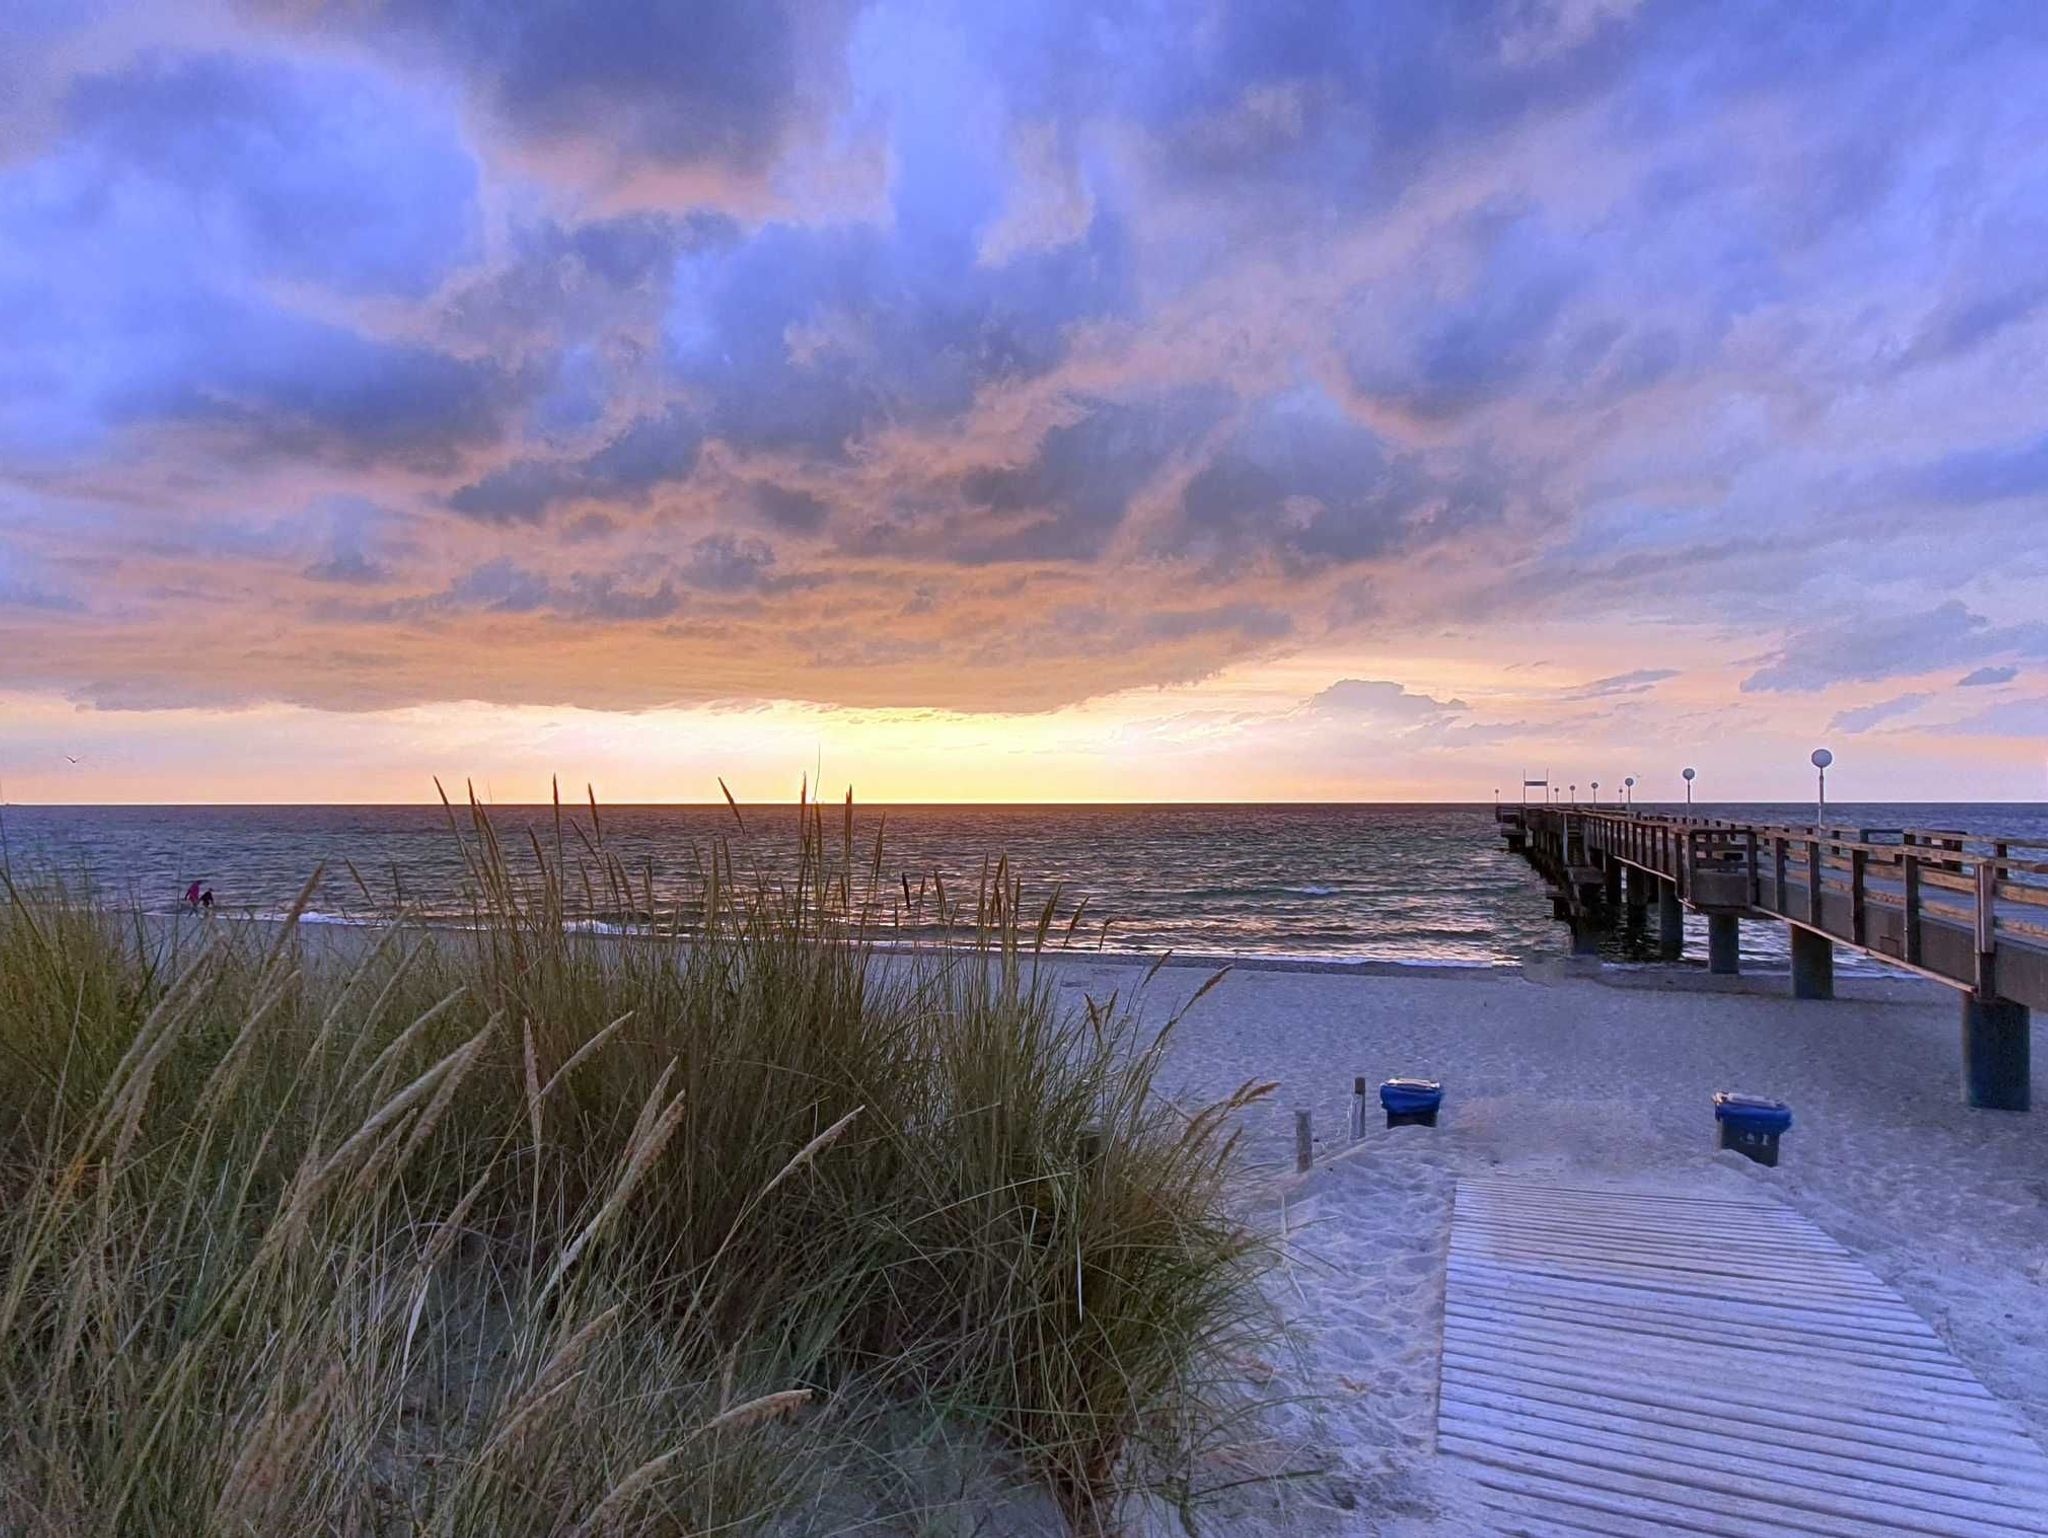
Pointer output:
x,y
1210,400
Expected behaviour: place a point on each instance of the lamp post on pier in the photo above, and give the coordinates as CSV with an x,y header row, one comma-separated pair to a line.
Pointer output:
x,y
1596,792
1628,793
1820,760
1687,775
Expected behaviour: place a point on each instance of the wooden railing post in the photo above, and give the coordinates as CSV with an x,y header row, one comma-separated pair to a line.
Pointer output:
x,y
1859,859
1912,940
1778,868
1987,928
1813,909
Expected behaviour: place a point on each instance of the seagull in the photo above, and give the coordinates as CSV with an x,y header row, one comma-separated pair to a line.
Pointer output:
x,y
69,756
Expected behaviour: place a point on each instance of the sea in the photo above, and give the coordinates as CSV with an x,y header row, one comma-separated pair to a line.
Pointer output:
x,y
1413,883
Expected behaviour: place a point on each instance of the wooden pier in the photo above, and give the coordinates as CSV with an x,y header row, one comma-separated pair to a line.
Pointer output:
x,y
1967,911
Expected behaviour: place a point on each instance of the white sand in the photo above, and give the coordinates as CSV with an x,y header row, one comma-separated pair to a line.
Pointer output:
x,y
1593,1081
1578,1079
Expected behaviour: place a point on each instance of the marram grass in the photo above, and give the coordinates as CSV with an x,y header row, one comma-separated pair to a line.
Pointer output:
x,y
518,1231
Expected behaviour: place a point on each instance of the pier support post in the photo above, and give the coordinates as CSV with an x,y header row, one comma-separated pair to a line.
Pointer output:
x,y
1996,1060
1585,938
1813,964
1636,885
1724,944
1670,921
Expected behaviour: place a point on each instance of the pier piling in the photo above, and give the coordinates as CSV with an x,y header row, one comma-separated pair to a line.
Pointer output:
x,y
1636,893
1724,944
1997,1067
1813,964
1670,921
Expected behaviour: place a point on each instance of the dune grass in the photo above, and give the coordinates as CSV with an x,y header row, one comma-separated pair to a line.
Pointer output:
x,y
521,1231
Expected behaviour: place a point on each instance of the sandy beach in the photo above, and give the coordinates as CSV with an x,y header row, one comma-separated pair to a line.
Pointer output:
x,y
1585,1080
1572,1074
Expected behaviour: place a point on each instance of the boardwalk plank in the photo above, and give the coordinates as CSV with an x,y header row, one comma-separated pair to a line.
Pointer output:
x,y
1622,1362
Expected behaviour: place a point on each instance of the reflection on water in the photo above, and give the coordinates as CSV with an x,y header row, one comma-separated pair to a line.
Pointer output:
x,y
1399,883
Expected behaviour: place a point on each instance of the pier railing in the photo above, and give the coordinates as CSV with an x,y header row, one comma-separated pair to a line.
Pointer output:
x,y
1969,910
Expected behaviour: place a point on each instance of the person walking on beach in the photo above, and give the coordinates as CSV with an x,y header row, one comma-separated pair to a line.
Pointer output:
x,y
192,895
206,899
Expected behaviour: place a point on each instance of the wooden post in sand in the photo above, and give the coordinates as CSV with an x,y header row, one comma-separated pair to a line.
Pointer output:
x,y
1358,1108
1304,1144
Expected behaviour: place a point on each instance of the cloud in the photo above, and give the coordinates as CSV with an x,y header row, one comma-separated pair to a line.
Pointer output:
x,y
1072,496
1300,483
1864,717
1380,700
360,546
311,172
155,267
1001,357
1974,475
1251,621
1889,646
1439,354
2023,719
1979,677
720,563
25,584
653,452
1641,681
618,86
809,339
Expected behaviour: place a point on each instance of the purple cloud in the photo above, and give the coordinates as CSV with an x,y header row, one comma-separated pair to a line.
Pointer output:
x,y
1007,355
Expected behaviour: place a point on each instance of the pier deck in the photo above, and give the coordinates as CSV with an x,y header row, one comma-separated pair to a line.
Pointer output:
x,y
1968,911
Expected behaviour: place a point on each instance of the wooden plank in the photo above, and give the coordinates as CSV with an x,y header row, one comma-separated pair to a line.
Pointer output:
x,y
1632,1362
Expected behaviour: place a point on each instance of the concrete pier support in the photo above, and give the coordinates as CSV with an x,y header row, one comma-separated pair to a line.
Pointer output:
x,y
1636,889
1997,1065
1670,921
1813,964
1724,944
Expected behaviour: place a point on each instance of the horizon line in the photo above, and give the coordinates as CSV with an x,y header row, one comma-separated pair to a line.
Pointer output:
x,y
840,801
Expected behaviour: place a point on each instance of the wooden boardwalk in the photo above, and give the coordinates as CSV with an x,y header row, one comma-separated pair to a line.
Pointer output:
x,y
1632,1364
